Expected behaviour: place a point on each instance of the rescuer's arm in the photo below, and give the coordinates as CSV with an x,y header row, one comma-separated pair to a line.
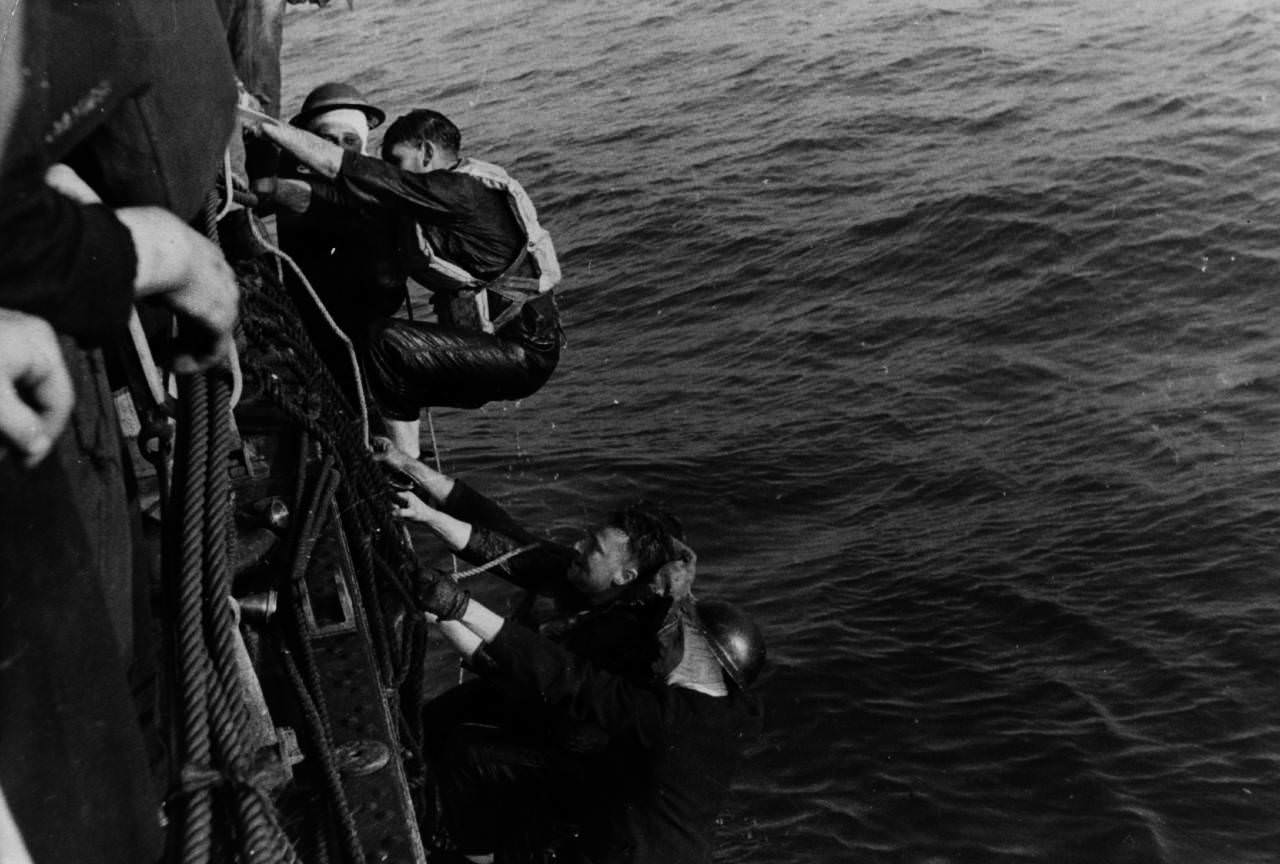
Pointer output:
x,y
561,677
436,485
323,157
443,503
454,532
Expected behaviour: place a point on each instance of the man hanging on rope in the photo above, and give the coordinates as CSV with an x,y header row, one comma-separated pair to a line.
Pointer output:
x,y
507,765
608,736
467,232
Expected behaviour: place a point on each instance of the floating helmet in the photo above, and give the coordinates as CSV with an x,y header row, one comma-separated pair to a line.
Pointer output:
x,y
735,639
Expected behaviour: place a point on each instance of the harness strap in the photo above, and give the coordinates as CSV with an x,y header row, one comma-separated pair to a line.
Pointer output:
x,y
507,286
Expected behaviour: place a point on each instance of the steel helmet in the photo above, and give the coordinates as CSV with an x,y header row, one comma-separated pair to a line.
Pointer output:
x,y
735,639
334,95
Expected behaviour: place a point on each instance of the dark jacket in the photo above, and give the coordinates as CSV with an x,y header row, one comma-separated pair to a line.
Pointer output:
x,y
465,221
618,636
672,752
348,257
140,107
138,98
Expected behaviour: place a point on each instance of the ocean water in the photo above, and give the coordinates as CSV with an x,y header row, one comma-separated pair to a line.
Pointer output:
x,y
948,330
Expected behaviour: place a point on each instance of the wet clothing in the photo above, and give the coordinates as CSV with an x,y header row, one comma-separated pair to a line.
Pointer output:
x,y
415,364
671,756
618,636
465,221
577,745
412,365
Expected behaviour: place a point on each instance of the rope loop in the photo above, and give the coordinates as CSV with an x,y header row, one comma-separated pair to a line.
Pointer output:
x,y
489,565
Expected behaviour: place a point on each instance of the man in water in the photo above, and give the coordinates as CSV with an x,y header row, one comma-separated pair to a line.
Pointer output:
x,y
468,233
608,594
506,766
673,746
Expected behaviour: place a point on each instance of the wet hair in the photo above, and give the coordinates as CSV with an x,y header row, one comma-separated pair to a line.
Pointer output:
x,y
421,127
649,529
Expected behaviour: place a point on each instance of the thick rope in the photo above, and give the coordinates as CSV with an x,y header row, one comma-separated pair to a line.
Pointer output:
x,y
262,838
193,671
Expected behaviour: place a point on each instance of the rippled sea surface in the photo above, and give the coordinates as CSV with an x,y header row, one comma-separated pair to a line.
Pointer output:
x,y
949,330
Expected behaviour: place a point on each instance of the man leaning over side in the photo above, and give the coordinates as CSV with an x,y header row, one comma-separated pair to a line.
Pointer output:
x,y
467,232
537,763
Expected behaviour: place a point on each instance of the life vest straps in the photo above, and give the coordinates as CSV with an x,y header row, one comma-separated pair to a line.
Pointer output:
x,y
537,239
469,289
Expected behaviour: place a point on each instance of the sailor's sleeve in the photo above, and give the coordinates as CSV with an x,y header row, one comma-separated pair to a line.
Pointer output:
x,y
72,264
370,181
494,533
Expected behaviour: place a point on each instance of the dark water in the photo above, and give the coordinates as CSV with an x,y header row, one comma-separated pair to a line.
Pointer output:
x,y
948,329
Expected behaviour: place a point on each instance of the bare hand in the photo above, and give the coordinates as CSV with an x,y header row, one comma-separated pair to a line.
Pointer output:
x,y
186,272
288,193
389,454
675,578
181,268
35,391
413,508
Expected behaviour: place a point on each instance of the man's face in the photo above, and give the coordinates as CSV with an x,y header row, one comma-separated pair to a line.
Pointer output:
x,y
338,132
604,562
408,157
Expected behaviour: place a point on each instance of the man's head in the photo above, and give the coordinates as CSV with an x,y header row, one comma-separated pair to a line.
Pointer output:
x,y
339,113
626,551
422,141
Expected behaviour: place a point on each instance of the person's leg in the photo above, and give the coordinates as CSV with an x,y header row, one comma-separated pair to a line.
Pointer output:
x,y
405,435
413,365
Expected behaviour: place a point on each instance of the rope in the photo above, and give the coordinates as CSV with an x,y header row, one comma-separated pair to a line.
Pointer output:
x,y
262,835
197,825
501,559
435,454
308,689
216,754
289,373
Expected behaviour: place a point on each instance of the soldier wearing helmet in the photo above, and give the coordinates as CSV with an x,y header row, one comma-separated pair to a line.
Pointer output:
x,y
673,746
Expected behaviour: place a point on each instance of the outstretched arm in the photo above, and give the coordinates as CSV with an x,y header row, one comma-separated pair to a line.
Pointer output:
x,y
481,529
323,157
454,532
